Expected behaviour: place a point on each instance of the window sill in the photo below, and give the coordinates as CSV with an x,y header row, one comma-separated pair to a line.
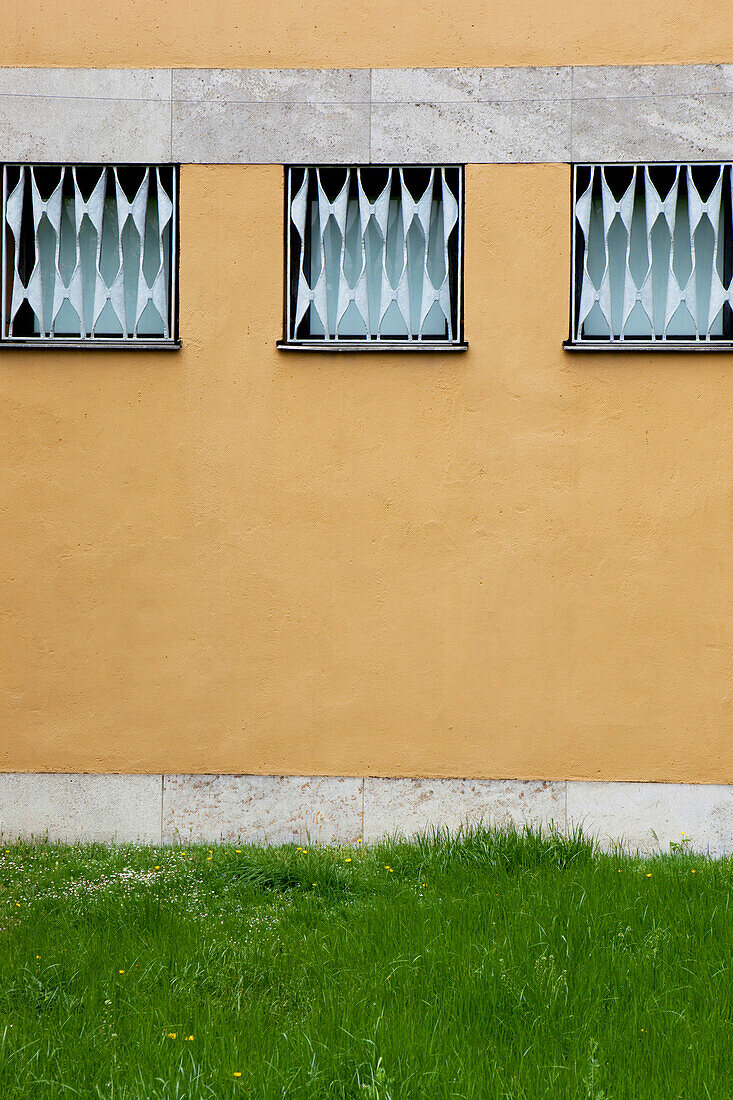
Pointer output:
x,y
60,343
349,346
648,345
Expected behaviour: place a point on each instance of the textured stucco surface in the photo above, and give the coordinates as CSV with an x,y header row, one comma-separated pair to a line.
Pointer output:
x,y
337,33
513,563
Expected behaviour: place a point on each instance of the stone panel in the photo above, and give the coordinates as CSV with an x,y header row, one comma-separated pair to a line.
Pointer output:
x,y
653,128
634,81
465,85
266,116
648,816
261,808
84,808
409,806
85,115
472,133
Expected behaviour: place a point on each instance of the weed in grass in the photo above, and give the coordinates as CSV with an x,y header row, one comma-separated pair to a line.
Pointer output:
x,y
593,1091
677,847
377,1087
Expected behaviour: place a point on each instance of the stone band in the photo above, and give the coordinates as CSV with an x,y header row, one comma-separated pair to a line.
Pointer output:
x,y
357,116
172,809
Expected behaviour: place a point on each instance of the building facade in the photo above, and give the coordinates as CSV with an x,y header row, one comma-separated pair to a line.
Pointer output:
x,y
395,488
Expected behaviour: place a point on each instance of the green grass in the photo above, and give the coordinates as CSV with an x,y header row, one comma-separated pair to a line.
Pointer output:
x,y
496,964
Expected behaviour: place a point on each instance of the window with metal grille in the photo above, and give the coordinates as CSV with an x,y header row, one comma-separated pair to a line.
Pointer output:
x,y
88,255
374,258
652,256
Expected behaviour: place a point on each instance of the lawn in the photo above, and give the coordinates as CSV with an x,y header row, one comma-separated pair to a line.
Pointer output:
x,y
492,965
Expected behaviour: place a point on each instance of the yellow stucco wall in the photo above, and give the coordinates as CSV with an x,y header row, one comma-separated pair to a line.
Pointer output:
x,y
332,33
508,563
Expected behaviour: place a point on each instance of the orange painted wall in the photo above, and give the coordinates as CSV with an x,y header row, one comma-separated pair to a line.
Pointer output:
x,y
333,33
509,563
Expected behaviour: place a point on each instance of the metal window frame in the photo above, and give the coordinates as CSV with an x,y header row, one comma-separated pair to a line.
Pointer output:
x,y
373,343
631,344
92,342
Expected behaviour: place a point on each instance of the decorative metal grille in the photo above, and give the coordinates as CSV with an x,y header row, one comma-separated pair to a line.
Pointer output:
x,y
652,254
374,256
88,254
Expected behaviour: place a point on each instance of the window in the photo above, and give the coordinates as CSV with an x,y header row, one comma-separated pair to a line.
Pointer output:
x,y
373,258
652,256
88,255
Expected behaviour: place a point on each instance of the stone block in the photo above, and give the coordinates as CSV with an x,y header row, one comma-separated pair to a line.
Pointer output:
x,y
261,809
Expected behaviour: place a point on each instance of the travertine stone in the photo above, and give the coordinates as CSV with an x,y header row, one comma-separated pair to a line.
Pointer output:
x,y
475,133
271,85
123,84
654,128
469,85
625,81
85,115
626,113
409,806
266,116
648,816
261,808
81,807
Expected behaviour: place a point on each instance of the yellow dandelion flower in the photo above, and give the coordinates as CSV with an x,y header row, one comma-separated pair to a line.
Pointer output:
x,y
17,905
238,851
189,1038
313,884
693,871
121,972
208,857
649,875
348,859
237,1074
157,867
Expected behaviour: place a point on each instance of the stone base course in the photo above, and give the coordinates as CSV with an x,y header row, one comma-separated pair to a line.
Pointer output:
x,y
178,809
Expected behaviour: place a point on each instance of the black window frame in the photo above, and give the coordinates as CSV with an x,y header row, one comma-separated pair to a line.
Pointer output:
x,y
28,339
670,343
304,340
